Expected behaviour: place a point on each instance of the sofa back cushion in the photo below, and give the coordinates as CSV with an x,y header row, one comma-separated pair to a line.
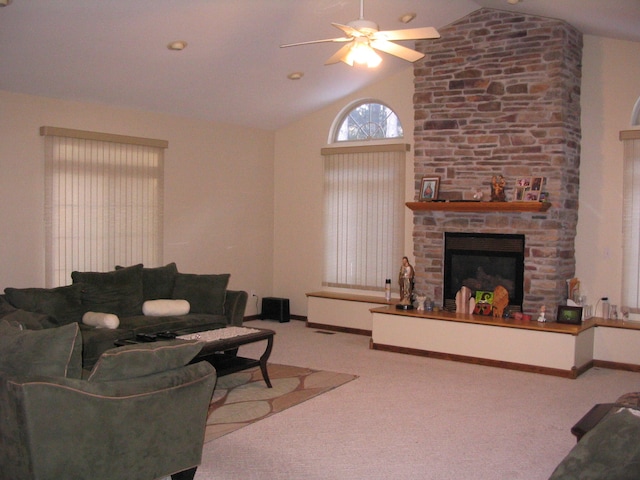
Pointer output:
x,y
118,292
133,361
205,293
62,304
157,282
53,352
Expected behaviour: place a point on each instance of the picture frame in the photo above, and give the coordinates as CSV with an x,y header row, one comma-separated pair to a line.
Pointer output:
x,y
429,187
529,189
569,314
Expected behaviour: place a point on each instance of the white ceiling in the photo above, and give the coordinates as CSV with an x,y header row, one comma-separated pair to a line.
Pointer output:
x,y
115,51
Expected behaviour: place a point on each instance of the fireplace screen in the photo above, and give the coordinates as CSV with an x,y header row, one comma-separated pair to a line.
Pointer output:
x,y
481,262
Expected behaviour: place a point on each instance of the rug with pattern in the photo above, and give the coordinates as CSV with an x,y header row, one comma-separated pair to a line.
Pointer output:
x,y
243,398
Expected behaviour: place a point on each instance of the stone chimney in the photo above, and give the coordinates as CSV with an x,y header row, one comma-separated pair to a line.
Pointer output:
x,y
499,94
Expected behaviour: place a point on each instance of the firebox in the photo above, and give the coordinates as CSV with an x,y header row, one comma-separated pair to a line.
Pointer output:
x,y
481,262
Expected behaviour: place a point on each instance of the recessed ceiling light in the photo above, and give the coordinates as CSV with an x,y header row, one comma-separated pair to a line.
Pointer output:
x,y
513,2
295,75
407,17
177,45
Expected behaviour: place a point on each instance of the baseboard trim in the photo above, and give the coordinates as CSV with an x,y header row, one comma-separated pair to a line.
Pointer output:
x,y
629,367
335,328
571,374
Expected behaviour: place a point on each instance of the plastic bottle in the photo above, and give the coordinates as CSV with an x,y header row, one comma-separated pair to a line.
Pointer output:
x,y
387,289
605,308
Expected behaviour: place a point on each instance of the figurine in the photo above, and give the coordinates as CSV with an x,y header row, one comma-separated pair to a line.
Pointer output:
x,y
497,189
541,317
405,279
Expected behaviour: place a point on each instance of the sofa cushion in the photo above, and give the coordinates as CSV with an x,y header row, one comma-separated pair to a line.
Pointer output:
x,y
133,361
118,292
609,450
205,293
157,282
172,323
53,352
62,304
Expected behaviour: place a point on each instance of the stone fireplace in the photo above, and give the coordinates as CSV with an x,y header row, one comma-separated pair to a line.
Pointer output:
x,y
499,93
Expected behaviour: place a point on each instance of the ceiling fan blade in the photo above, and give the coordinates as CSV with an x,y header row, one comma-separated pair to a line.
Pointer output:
x,y
352,32
341,39
407,34
397,50
340,56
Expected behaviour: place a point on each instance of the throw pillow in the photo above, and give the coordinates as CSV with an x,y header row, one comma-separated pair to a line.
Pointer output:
x,y
157,282
29,320
62,304
133,361
205,293
52,352
164,308
118,292
101,320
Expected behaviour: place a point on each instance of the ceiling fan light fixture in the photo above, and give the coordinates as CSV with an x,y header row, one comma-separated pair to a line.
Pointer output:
x,y
361,53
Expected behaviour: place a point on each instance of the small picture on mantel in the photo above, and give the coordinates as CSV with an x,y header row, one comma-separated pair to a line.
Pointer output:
x,y
429,188
528,189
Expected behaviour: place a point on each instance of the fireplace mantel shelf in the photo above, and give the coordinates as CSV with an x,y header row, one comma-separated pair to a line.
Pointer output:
x,y
479,207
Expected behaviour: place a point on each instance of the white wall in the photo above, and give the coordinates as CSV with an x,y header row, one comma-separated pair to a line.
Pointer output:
x,y
610,89
218,189
298,241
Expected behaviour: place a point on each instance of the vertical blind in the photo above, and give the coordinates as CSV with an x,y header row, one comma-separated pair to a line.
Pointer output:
x,y
363,215
631,221
103,202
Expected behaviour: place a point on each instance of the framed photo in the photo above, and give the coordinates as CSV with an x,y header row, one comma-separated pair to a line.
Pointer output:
x,y
536,183
571,315
531,196
429,188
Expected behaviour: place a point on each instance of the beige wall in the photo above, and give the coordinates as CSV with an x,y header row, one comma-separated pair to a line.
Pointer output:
x,y
610,89
218,189
298,189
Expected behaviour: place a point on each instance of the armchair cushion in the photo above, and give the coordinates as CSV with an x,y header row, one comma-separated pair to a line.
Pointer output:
x,y
205,293
118,292
142,359
55,352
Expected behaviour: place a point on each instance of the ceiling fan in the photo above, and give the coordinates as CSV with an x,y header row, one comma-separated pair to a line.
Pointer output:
x,y
364,37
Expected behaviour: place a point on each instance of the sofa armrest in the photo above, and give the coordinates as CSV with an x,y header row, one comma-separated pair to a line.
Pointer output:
x,y
69,428
234,307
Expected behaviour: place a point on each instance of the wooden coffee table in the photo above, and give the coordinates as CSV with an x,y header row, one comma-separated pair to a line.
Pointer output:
x,y
221,347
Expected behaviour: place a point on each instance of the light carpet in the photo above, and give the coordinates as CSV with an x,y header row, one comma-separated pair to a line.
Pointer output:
x,y
243,398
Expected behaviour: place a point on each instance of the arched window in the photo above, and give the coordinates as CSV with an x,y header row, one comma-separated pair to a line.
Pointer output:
x,y
367,120
364,194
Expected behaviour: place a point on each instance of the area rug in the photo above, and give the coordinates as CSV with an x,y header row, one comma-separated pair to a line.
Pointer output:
x,y
243,398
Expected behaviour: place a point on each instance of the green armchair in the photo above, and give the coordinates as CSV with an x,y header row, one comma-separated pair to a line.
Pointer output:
x,y
140,414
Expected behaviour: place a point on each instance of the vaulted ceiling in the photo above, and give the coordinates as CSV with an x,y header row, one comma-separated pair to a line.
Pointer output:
x,y
232,70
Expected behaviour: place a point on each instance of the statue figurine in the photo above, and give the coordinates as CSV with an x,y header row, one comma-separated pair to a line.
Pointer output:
x,y
497,189
405,279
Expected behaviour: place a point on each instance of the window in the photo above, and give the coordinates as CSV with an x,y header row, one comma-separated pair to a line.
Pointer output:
x,y
103,202
631,221
364,193
368,121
